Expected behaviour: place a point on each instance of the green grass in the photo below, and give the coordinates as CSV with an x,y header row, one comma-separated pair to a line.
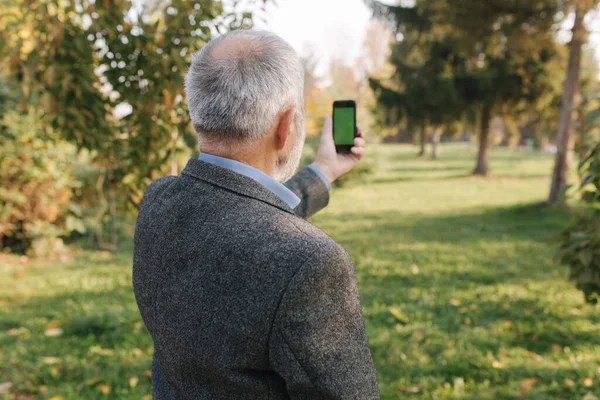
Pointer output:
x,y
482,312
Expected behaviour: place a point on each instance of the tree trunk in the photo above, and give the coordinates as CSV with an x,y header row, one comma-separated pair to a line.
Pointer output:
x,y
435,138
102,206
112,212
423,139
564,135
484,138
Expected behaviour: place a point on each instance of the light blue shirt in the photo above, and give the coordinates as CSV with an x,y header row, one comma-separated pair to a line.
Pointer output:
x,y
277,188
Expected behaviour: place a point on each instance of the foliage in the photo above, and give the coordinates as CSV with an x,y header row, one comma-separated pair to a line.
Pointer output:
x,y
36,186
83,61
460,297
449,63
580,240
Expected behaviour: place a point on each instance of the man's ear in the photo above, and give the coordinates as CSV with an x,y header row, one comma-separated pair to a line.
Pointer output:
x,y
284,128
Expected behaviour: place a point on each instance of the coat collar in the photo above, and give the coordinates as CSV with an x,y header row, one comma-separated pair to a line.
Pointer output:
x,y
233,182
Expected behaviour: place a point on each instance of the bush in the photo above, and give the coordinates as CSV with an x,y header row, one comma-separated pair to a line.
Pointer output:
x,y
36,186
580,240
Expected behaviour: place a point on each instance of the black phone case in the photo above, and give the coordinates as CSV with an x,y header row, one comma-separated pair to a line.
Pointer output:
x,y
344,148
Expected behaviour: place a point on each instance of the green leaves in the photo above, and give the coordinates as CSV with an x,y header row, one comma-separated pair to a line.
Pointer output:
x,y
591,119
77,64
580,241
459,57
37,185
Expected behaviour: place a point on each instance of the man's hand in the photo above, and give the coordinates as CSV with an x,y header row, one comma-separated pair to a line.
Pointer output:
x,y
332,164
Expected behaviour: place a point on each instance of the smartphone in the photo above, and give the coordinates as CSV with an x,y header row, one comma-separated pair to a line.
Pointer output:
x,y
344,125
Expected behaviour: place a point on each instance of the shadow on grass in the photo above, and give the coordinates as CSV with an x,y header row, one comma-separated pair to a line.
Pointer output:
x,y
420,179
497,261
522,223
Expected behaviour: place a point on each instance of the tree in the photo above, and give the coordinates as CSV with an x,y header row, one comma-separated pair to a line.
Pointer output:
x,y
422,86
564,135
509,44
79,60
493,60
580,240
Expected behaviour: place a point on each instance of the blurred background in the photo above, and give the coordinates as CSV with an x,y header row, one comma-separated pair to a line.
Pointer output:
x,y
474,221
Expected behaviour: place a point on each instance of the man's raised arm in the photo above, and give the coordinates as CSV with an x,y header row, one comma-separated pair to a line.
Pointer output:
x,y
313,183
311,187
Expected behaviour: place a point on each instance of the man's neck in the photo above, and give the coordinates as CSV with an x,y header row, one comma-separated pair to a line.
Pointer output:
x,y
252,158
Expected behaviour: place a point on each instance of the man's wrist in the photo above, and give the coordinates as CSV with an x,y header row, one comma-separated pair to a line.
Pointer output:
x,y
326,171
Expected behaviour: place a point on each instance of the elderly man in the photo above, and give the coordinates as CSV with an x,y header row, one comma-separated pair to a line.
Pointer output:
x,y
243,297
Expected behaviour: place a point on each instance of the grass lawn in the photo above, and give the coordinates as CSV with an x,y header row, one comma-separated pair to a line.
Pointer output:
x,y
460,294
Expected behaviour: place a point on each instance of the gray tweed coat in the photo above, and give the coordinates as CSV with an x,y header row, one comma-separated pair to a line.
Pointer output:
x,y
244,299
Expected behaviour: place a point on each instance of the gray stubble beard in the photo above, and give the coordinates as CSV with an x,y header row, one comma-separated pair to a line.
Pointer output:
x,y
286,166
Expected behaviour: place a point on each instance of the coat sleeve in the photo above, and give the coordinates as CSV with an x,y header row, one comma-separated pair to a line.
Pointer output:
x,y
318,344
313,192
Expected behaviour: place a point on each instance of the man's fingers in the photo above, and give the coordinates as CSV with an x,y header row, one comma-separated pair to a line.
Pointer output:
x,y
359,132
327,132
359,151
359,142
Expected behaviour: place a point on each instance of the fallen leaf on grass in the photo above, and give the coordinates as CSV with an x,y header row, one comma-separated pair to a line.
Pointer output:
x,y
93,381
527,385
137,352
53,324
99,351
589,396
57,398
51,360
133,381
455,302
54,332
398,315
5,387
507,324
16,331
497,365
147,397
535,356
459,386
569,382
418,336
411,389
588,382
556,348
148,374
104,388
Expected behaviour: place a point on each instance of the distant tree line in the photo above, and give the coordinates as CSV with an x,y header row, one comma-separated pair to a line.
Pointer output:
x,y
459,63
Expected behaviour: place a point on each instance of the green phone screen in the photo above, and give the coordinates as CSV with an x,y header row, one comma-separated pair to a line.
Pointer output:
x,y
343,125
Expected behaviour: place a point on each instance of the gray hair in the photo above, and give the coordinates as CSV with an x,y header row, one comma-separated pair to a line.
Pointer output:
x,y
234,100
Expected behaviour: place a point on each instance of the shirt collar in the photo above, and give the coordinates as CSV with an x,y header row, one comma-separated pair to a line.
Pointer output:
x,y
259,176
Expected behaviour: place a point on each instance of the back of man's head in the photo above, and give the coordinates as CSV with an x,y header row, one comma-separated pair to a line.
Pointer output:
x,y
239,83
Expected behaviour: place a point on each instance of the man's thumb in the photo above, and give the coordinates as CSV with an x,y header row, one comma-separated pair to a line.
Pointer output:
x,y
327,132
